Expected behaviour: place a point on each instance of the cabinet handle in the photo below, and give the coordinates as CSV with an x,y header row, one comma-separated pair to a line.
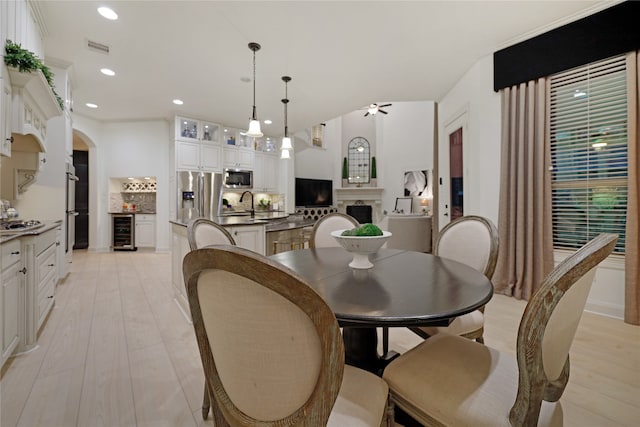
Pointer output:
x,y
50,296
15,253
10,139
23,271
51,265
235,233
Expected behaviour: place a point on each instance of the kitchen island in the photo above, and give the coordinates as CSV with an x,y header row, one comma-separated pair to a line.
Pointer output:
x,y
256,233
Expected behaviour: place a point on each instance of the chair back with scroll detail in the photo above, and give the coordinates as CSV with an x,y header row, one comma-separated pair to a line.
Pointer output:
x,y
321,232
486,387
271,347
203,232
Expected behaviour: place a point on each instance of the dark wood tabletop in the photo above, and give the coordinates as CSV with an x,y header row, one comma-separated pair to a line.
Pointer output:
x,y
404,288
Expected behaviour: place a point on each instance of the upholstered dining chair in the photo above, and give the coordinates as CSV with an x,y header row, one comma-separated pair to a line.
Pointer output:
x,y
471,240
453,381
271,347
321,232
203,232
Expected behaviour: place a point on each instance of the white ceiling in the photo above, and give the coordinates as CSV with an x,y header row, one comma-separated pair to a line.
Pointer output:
x,y
340,55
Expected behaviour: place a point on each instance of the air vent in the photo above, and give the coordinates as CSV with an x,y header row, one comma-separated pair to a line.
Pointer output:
x,y
98,47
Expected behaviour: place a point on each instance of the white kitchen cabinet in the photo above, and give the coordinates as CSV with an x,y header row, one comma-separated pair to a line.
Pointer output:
x,y
145,231
5,117
206,157
46,276
265,176
192,130
12,279
197,145
249,237
238,157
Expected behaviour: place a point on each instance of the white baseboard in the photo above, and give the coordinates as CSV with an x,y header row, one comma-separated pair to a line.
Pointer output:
x,y
605,309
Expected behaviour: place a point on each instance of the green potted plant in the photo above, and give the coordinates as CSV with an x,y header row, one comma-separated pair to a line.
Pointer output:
x,y
27,62
374,172
345,173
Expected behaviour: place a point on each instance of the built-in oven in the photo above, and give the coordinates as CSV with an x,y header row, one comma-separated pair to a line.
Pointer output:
x,y
238,178
70,220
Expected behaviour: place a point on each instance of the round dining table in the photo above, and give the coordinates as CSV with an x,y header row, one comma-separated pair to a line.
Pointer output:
x,y
402,289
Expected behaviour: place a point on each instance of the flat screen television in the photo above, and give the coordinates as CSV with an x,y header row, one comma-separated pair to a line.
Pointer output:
x,y
314,192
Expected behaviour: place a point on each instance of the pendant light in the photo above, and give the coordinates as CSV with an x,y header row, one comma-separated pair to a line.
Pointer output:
x,y
254,124
286,141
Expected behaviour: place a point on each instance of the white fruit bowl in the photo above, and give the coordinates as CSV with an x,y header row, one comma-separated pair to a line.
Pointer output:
x,y
361,247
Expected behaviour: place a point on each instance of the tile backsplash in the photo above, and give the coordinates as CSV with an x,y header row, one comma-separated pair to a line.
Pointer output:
x,y
145,202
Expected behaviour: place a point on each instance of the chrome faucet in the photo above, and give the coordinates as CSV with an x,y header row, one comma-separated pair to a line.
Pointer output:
x,y
252,211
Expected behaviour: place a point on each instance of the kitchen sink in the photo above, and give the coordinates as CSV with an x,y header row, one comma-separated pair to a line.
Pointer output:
x,y
19,226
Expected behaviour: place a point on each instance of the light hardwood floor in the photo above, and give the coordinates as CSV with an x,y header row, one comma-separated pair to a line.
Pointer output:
x,y
116,351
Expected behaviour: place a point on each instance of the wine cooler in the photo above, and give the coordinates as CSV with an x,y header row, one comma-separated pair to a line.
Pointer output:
x,y
124,234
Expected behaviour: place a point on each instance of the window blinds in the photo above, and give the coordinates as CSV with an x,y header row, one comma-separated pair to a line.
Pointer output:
x,y
588,137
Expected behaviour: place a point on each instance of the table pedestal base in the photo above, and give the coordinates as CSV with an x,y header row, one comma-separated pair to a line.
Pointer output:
x,y
361,350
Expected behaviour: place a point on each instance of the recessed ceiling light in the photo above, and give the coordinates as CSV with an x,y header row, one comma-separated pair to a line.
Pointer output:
x,y
108,13
178,102
107,72
267,122
90,105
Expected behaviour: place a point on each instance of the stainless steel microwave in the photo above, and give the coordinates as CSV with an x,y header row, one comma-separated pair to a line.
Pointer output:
x,y
236,178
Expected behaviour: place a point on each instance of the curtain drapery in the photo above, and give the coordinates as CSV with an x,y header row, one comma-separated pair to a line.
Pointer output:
x,y
524,218
632,244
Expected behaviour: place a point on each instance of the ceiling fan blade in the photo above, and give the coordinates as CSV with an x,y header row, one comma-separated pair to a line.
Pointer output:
x,y
366,114
382,111
384,105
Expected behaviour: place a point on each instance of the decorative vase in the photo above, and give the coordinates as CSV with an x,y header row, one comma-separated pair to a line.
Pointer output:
x,y
345,182
374,182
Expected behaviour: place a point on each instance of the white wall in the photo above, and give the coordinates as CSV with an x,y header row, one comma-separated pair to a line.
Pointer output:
x,y
129,149
475,93
405,144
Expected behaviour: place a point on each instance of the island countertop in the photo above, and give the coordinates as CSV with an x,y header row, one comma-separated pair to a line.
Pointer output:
x,y
273,221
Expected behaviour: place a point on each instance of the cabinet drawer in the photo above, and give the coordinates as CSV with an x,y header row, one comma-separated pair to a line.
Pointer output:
x,y
46,299
45,240
45,265
10,253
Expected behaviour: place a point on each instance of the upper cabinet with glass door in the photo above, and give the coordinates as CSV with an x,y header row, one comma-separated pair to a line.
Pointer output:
x,y
197,130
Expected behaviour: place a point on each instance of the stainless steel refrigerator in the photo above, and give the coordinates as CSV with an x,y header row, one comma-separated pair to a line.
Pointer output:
x,y
199,194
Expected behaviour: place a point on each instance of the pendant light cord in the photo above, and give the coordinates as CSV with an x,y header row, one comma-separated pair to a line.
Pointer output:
x,y
253,116
285,101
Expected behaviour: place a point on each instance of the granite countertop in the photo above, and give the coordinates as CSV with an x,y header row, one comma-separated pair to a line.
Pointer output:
x,y
47,225
138,211
239,218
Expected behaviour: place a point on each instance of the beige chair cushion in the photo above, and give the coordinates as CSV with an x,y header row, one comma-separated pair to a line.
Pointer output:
x,y
461,325
460,383
361,401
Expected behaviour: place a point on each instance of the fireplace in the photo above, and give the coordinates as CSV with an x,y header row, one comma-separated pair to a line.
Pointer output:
x,y
360,196
362,213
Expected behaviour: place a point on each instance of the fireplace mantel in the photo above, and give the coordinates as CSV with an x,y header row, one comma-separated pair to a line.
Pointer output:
x,y
367,195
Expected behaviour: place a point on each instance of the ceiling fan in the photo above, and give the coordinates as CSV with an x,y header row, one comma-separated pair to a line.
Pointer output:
x,y
375,108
